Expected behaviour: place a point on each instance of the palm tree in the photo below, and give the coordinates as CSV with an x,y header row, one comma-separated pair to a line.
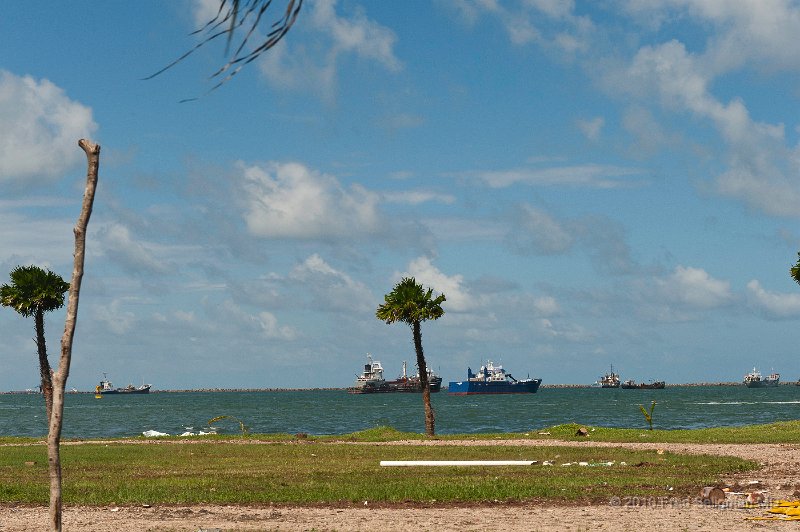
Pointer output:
x,y
795,270
410,303
32,292
231,16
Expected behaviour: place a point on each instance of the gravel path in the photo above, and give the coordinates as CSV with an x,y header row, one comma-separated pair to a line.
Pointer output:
x,y
779,478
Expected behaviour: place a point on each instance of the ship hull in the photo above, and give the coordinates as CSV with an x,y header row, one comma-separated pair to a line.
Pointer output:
x,y
123,391
644,386
411,385
761,384
489,388
630,385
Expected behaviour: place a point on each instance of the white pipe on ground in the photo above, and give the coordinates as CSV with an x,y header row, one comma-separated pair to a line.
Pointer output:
x,y
413,463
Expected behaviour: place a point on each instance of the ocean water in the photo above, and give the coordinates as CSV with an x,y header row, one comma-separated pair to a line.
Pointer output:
x,y
322,412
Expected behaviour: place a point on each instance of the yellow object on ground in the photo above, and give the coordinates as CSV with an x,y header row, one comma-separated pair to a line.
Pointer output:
x,y
784,510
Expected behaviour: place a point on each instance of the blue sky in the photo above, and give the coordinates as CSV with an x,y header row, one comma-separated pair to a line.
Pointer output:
x,y
588,183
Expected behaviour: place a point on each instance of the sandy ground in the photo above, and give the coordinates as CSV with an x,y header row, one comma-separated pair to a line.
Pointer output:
x,y
778,478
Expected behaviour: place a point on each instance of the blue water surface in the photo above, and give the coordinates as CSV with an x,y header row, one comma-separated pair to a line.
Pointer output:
x,y
323,412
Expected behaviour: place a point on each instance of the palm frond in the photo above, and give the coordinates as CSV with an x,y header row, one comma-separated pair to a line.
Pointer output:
x,y
795,270
33,288
409,302
232,15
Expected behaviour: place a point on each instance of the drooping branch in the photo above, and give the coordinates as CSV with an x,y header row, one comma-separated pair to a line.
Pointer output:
x,y
231,16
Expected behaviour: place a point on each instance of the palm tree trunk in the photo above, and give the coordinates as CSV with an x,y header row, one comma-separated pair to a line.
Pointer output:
x,y
44,365
92,152
423,381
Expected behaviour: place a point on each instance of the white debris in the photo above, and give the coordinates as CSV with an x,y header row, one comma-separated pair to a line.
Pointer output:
x,y
153,433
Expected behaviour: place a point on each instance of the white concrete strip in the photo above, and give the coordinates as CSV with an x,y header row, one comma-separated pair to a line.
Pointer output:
x,y
414,463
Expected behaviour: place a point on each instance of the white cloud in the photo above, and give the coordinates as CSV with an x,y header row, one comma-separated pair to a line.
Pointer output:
x,y
546,306
185,316
204,11
588,175
122,248
567,332
773,304
764,32
761,170
400,121
760,31
465,228
264,322
268,324
301,66
458,297
520,22
592,128
695,288
536,231
416,197
293,68
40,129
331,288
115,318
649,134
358,34
291,201
33,239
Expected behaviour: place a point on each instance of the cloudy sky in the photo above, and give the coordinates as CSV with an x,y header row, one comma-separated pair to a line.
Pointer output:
x,y
588,183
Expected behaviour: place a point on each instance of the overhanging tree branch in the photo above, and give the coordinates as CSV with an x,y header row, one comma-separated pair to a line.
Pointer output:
x,y
231,16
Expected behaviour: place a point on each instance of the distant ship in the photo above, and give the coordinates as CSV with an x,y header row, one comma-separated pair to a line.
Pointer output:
x,y
754,380
106,388
492,379
633,385
609,380
406,383
372,380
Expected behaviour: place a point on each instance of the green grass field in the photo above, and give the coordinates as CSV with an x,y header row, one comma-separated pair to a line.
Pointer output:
x,y
332,470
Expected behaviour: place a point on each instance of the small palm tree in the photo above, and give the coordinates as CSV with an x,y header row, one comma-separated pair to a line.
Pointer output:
x,y
32,292
795,270
410,303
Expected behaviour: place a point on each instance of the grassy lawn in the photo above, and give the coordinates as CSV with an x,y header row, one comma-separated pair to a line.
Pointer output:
x,y
320,470
779,432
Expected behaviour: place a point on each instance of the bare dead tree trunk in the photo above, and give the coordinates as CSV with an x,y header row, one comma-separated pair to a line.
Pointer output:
x,y
60,377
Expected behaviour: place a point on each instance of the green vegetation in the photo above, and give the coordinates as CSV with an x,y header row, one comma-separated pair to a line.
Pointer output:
x,y
779,432
648,415
411,304
313,472
244,429
33,291
308,469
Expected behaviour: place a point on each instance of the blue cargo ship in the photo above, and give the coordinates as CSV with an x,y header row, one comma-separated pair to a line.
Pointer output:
x,y
492,379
